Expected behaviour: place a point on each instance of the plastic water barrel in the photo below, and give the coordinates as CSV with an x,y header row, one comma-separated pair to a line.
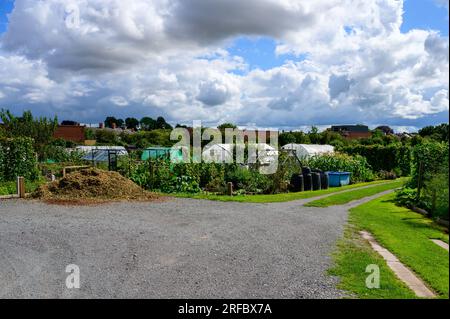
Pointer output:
x,y
306,171
297,183
308,182
324,181
315,181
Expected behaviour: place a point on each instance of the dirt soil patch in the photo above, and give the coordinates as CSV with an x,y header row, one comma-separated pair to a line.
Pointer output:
x,y
92,186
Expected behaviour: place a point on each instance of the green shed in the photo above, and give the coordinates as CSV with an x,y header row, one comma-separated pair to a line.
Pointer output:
x,y
162,153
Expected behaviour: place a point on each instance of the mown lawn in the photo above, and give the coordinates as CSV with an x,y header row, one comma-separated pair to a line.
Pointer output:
x,y
275,198
10,188
403,232
344,198
351,259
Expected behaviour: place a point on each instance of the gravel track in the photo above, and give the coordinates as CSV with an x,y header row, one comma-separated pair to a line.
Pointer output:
x,y
179,248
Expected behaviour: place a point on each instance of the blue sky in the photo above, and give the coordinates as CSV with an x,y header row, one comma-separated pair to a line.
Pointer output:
x,y
139,61
6,7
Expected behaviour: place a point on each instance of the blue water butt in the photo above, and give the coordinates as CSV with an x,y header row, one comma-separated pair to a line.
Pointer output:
x,y
337,179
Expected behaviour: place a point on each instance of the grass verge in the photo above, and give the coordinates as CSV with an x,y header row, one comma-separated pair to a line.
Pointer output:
x,y
10,188
344,198
406,234
351,259
274,198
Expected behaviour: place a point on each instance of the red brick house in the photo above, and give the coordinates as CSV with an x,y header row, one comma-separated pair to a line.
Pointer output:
x,y
352,131
74,133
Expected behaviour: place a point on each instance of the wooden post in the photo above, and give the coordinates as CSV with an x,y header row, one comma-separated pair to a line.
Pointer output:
x,y
21,187
419,181
230,189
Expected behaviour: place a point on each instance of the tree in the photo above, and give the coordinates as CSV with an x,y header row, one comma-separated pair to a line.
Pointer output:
x,y
148,124
226,125
286,138
438,133
162,124
314,135
39,129
131,123
109,121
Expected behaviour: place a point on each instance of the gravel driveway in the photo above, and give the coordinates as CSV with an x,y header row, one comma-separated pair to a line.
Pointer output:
x,y
180,248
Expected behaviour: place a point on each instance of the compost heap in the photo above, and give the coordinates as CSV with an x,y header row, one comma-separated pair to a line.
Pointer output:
x,y
92,184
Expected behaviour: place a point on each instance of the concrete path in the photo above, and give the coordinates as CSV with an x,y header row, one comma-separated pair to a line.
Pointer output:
x,y
400,270
440,243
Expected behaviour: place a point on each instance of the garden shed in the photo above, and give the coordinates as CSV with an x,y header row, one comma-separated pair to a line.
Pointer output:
x,y
308,150
170,153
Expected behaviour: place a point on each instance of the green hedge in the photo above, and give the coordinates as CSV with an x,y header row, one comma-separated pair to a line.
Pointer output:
x,y
393,157
434,158
357,165
17,158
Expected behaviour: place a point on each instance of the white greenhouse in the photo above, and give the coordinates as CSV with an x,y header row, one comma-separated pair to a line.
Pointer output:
x,y
308,150
262,153
100,153
218,153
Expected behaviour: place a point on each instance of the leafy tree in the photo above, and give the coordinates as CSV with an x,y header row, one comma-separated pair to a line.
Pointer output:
x,y
120,123
162,124
131,123
314,135
39,129
148,124
286,138
438,133
226,125
109,121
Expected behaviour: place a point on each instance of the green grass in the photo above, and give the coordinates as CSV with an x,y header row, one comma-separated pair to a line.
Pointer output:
x,y
344,198
10,188
404,233
351,260
274,198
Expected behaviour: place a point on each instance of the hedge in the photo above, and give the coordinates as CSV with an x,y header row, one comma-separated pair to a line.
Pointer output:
x,y
384,158
17,158
434,157
357,165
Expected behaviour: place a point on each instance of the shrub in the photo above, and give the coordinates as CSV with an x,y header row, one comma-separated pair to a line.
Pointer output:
x,y
60,154
17,158
435,196
357,165
384,157
406,197
249,180
387,175
432,155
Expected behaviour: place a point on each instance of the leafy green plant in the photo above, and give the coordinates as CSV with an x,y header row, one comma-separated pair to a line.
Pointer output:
x,y
383,157
248,180
406,197
428,158
17,158
357,165
435,196
39,129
